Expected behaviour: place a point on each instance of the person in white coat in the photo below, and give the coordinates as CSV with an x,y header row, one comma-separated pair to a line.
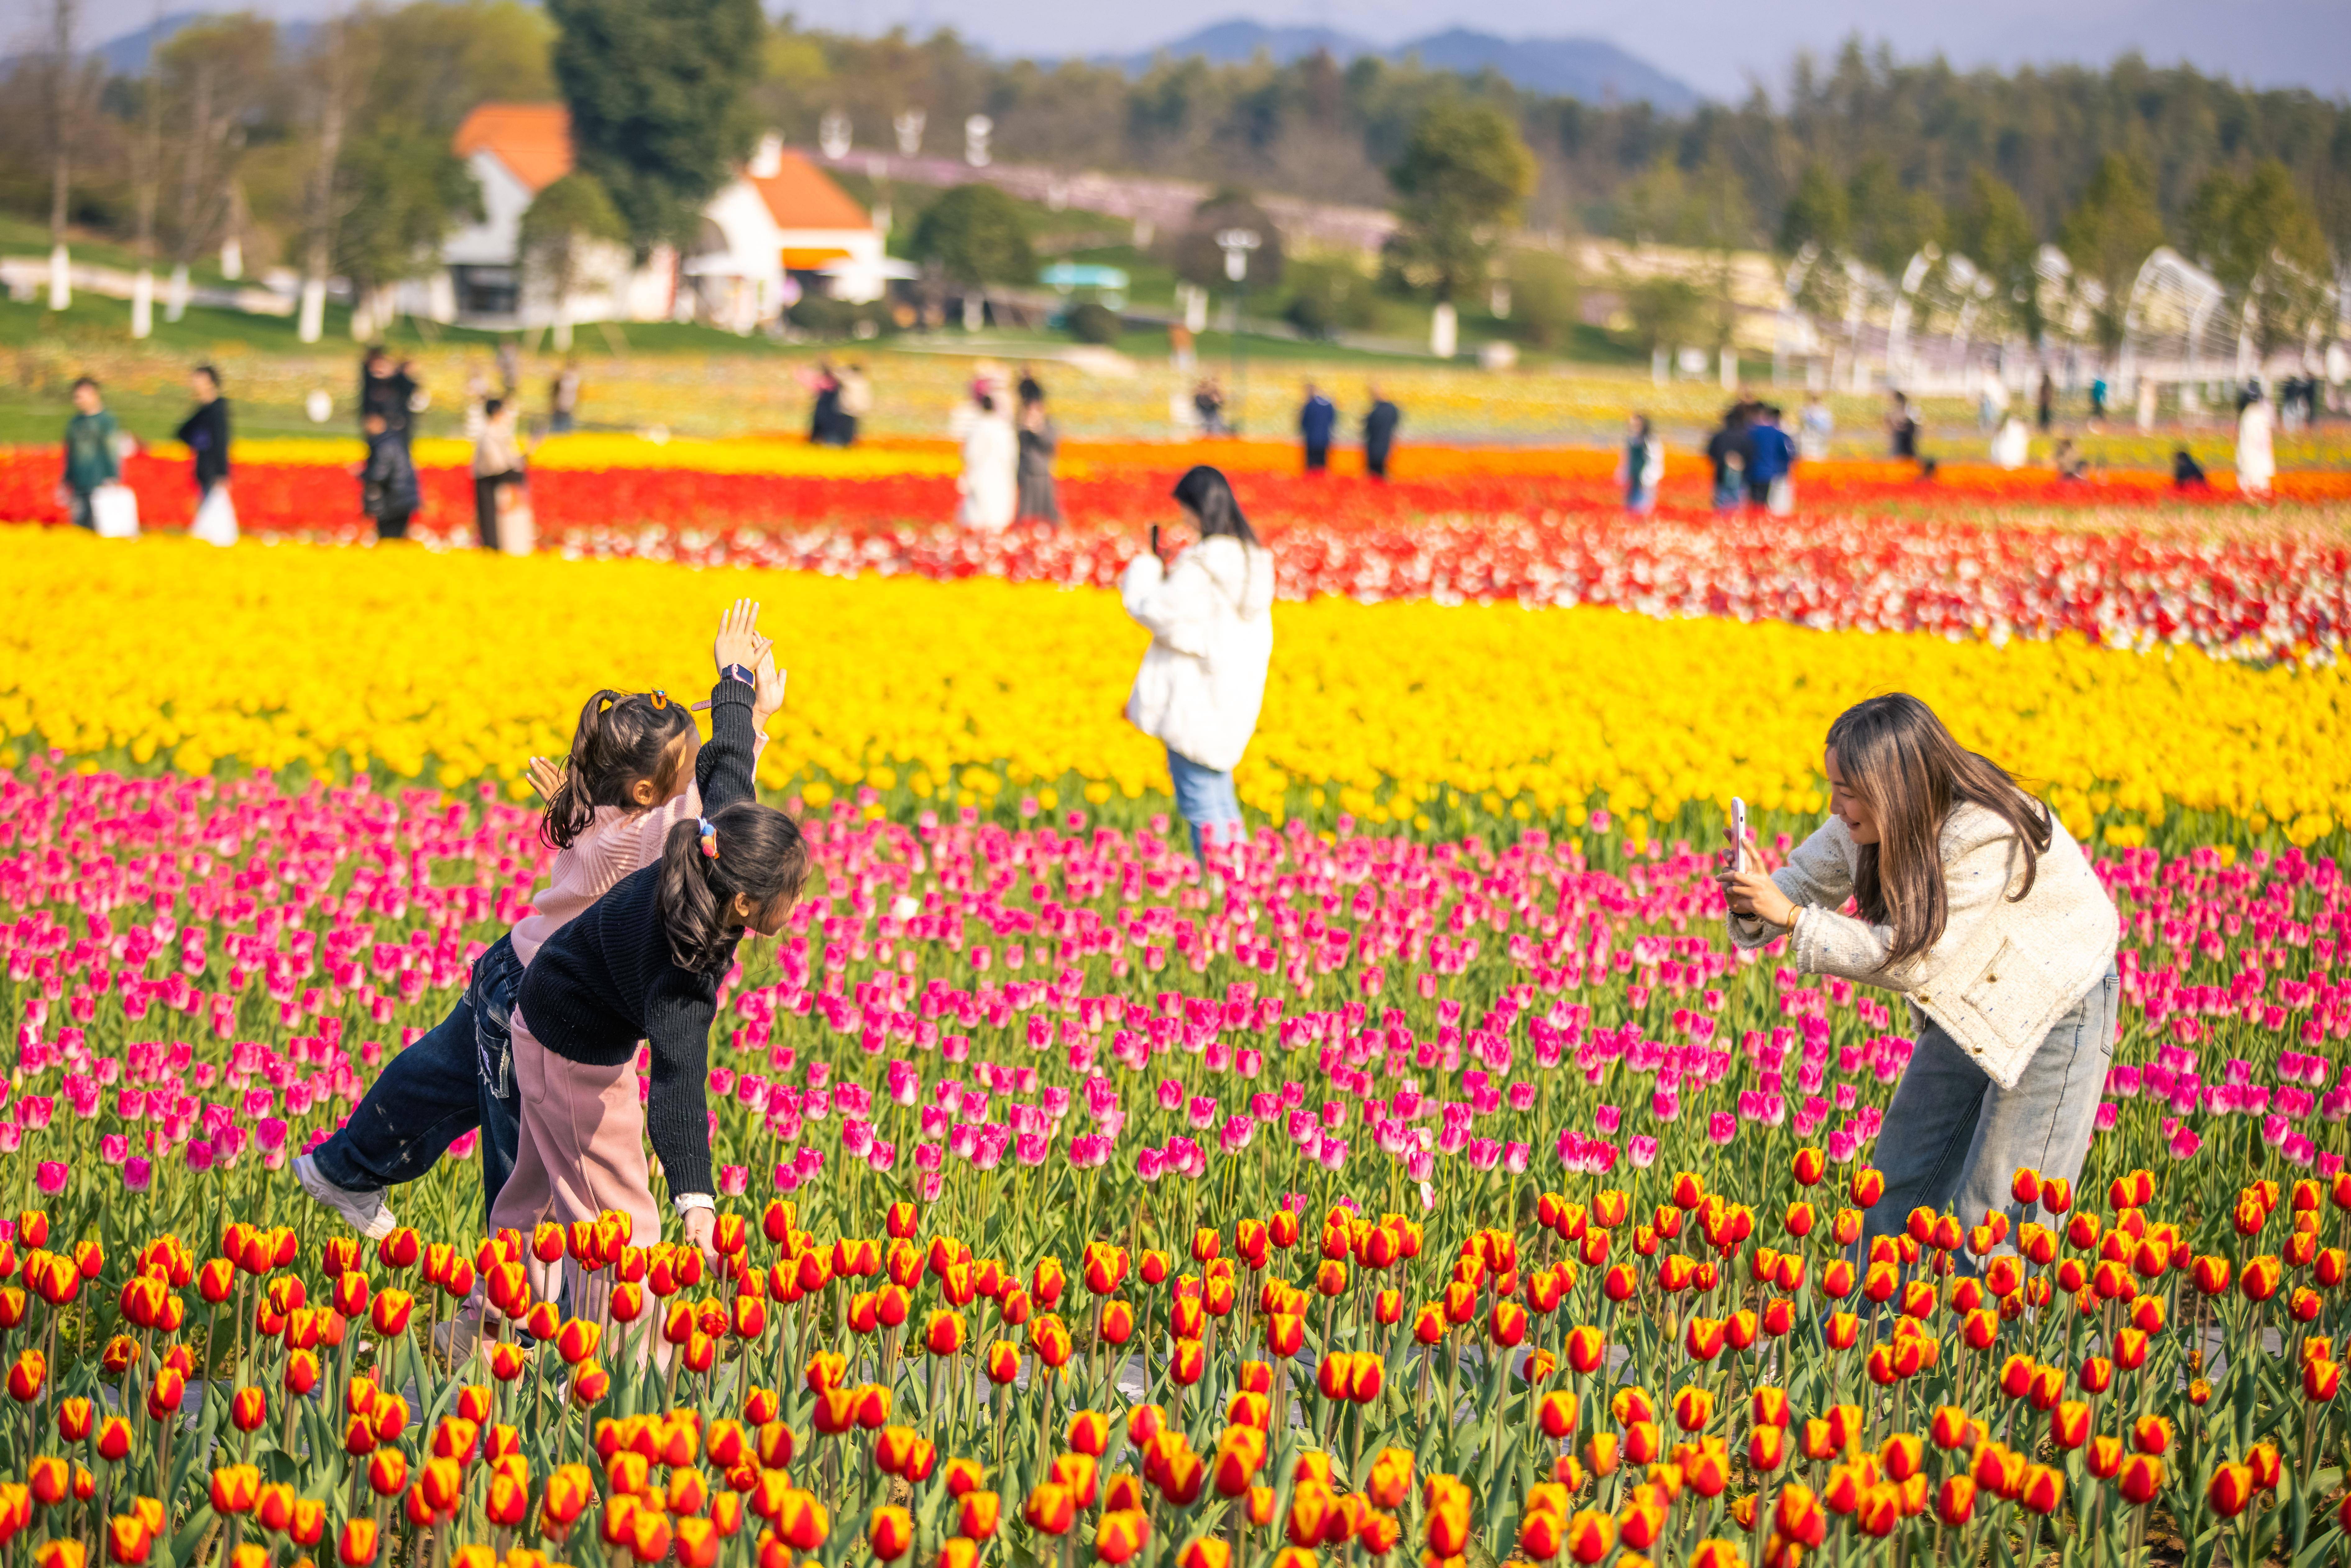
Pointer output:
x,y
1972,899
2256,459
992,464
1210,616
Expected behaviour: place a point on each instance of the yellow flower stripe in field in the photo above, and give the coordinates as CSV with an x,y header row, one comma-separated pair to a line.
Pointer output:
x,y
871,460
462,665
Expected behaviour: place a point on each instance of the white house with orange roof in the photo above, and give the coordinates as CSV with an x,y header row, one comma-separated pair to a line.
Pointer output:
x,y
781,226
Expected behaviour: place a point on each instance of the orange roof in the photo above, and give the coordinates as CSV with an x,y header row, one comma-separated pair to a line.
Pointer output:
x,y
800,195
532,140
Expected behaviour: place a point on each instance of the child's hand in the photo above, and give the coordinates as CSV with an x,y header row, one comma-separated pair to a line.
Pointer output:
x,y
546,778
738,642
770,701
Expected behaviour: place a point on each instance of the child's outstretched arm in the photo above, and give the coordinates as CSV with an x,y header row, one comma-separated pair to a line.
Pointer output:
x,y
723,770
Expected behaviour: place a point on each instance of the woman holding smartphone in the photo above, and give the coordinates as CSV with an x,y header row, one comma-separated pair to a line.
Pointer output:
x,y
1975,902
1203,678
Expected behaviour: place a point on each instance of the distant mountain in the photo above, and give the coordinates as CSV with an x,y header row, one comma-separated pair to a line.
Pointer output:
x,y
1591,68
128,54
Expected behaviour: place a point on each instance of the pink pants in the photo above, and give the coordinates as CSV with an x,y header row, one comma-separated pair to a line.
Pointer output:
x,y
580,1152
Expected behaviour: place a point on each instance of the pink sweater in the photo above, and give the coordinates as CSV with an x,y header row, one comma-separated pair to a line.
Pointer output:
x,y
616,842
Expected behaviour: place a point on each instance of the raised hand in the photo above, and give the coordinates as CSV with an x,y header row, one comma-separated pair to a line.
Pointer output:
x,y
738,642
546,777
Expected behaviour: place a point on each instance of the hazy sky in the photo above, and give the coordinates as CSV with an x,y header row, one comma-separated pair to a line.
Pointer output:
x,y
1716,46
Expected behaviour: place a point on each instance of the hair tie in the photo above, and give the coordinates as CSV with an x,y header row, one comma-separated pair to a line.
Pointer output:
x,y
709,838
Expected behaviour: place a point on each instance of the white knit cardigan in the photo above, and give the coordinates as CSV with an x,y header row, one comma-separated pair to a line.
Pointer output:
x,y
2004,970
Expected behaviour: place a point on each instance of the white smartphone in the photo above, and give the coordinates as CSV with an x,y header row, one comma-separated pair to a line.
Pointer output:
x,y
1738,833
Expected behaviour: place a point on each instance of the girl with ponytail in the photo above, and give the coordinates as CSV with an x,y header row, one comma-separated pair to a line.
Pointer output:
x,y
631,775
643,963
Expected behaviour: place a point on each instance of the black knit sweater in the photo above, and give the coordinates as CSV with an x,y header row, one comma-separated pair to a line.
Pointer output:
x,y
606,980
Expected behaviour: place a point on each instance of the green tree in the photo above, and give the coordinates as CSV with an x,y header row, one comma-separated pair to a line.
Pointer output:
x,y
1816,215
1993,230
1891,222
978,235
1463,177
1817,223
1666,311
1545,294
2112,230
2262,242
660,97
559,230
397,195
1328,295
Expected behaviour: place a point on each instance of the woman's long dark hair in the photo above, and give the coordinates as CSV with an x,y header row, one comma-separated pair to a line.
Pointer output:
x,y
759,854
622,737
1898,756
1211,496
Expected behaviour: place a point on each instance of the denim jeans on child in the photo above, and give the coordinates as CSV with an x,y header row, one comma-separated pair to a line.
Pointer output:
x,y
457,1077
1953,1138
1204,797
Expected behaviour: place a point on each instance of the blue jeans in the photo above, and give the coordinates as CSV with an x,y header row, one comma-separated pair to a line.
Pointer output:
x,y
1204,796
1953,1138
457,1077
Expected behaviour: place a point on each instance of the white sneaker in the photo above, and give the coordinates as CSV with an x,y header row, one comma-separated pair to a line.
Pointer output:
x,y
366,1211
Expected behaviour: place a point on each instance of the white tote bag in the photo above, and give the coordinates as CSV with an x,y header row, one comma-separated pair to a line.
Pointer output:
x,y
215,521
114,511
518,528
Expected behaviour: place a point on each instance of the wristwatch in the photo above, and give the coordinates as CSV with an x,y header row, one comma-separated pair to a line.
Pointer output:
x,y
739,672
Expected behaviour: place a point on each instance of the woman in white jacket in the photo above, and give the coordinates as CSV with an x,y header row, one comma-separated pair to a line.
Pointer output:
x,y
1203,677
1975,902
992,464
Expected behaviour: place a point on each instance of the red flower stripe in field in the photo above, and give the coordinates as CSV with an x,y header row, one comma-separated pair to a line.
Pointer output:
x,y
1868,550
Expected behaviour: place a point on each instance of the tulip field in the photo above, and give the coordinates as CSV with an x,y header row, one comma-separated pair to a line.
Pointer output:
x,y
1431,1184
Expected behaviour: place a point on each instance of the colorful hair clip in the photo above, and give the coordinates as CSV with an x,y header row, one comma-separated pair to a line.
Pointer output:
x,y
659,699
709,838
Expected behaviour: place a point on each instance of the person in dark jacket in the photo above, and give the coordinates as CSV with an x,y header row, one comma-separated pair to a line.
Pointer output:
x,y
91,458
1316,419
1730,452
643,963
1379,432
205,432
1041,499
388,389
1771,455
387,481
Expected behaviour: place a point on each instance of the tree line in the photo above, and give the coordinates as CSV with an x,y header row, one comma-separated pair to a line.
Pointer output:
x,y
331,150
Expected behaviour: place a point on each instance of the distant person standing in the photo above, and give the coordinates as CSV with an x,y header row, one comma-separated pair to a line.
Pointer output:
x,y
990,484
1208,407
498,464
1770,463
1379,432
388,493
1901,429
825,412
563,399
387,388
2045,405
1643,465
1991,402
1317,419
2256,457
1818,427
855,402
2097,397
1041,499
93,458
1729,450
205,433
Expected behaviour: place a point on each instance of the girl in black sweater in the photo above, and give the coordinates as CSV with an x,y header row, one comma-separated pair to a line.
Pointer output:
x,y
643,963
